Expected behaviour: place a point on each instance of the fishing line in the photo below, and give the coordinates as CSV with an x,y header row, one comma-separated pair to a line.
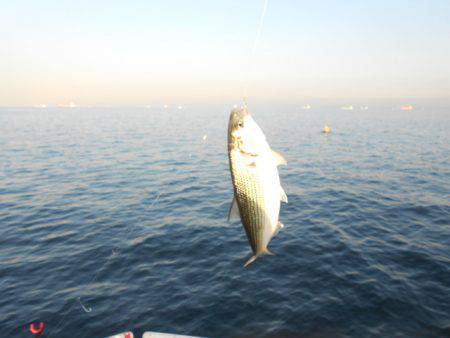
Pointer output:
x,y
250,59
114,252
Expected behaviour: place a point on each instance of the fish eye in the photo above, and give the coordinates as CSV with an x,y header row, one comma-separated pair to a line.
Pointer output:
x,y
241,124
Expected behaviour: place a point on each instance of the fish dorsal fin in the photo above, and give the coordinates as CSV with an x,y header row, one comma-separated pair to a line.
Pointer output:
x,y
279,226
234,210
279,159
268,252
283,196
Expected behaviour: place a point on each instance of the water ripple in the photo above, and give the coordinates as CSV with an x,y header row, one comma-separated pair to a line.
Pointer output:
x,y
123,213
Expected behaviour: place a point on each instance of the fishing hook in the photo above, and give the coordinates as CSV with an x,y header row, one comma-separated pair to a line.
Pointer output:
x,y
86,309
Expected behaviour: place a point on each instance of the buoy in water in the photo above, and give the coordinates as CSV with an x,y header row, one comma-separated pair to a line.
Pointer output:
x,y
37,329
326,129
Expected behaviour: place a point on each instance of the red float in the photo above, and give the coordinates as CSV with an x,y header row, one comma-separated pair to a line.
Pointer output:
x,y
37,330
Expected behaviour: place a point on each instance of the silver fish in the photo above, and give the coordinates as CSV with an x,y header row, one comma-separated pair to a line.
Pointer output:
x,y
256,183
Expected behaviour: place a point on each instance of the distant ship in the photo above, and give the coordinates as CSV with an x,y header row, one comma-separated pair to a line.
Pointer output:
x,y
350,107
406,107
70,105
306,107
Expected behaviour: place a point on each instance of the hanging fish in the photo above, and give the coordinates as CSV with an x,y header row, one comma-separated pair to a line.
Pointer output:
x,y
256,183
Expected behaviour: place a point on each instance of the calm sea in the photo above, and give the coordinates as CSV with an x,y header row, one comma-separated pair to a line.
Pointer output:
x,y
115,220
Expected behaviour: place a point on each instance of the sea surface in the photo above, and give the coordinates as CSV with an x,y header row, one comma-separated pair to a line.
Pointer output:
x,y
115,219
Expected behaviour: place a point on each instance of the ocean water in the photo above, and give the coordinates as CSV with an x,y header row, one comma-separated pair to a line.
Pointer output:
x,y
115,220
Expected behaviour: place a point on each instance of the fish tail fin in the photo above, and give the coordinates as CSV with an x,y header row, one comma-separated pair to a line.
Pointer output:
x,y
254,257
250,261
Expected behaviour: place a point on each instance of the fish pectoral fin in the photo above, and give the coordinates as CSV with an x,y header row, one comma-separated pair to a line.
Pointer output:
x,y
283,196
234,210
279,159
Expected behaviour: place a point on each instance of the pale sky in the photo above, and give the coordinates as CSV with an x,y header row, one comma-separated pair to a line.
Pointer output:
x,y
150,52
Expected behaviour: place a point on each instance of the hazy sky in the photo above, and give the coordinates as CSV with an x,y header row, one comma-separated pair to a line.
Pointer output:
x,y
150,52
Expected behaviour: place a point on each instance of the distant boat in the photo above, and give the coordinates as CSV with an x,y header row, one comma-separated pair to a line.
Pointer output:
x,y
306,107
350,107
326,129
407,107
70,105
